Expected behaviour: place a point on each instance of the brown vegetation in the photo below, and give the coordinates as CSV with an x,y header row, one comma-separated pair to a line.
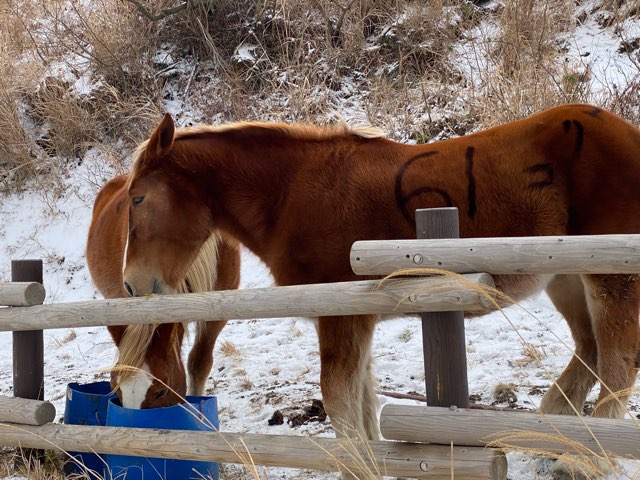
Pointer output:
x,y
77,76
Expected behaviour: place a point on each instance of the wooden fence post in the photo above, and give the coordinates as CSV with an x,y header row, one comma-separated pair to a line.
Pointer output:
x,y
445,356
28,352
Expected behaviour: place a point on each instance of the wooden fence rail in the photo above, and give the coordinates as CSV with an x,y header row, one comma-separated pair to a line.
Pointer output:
x,y
468,430
393,296
26,411
567,254
325,454
21,294
546,433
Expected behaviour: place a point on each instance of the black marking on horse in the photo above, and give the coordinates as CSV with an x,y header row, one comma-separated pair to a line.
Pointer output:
x,y
579,137
579,133
446,198
402,200
594,112
545,168
471,186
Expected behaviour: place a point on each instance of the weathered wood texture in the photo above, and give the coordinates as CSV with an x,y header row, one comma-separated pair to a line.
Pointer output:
x,y
393,296
28,353
28,340
569,254
21,294
26,411
326,454
549,433
443,342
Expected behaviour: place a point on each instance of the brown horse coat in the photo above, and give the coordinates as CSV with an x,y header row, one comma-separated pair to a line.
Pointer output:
x,y
299,196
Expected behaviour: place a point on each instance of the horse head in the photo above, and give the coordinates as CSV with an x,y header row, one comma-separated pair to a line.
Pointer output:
x,y
149,372
168,220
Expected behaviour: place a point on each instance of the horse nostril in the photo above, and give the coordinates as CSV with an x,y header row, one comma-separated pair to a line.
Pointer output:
x,y
129,290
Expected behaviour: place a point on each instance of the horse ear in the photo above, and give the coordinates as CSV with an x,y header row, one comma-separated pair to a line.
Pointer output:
x,y
161,139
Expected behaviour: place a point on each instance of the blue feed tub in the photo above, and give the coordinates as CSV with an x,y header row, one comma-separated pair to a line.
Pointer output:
x,y
86,404
201,416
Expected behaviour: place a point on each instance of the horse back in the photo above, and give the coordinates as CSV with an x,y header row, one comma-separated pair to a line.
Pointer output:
x,y
572,169
596,155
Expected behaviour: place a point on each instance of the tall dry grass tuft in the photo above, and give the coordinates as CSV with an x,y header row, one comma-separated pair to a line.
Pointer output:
x,y
15,145
73,76
521,70
68,128
18,73
528,32
111,37
13,463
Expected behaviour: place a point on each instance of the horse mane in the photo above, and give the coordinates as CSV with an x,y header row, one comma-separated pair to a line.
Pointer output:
x,y
200,277
296,131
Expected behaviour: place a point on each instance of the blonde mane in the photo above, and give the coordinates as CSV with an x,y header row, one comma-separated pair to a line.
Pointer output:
x,y
293,130
200,277
296,131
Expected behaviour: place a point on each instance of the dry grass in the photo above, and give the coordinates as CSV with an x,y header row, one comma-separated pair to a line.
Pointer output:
x,y
15,78
14,462
47,50
229,349
80,76
60,342
531,355
523,72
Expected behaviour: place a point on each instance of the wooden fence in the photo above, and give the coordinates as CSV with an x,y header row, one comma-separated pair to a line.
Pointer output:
x,y
458,436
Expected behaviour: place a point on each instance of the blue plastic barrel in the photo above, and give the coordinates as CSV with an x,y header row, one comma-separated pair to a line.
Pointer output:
x,y
86,404
201,413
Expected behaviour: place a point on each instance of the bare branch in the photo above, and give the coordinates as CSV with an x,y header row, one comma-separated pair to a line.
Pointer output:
x,y
336,37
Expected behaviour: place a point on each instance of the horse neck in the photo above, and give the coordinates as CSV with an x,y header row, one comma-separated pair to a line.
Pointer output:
x,y
246,183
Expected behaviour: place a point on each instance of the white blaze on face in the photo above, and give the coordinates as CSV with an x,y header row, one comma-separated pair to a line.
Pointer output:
x,y
134,389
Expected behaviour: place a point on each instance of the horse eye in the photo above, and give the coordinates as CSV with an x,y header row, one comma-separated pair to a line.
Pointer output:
x,y
161,393
135,201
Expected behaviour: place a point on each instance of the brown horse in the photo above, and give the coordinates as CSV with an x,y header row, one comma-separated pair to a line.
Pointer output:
x,y
154,351
299,196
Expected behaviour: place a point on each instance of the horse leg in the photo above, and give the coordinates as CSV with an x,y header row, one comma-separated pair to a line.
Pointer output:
x,y
370,402
347,385
201,356
614,303
568,393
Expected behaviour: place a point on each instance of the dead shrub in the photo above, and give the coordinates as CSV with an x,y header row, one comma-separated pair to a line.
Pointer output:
x,y
521,71
68,129
18,73
119,44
